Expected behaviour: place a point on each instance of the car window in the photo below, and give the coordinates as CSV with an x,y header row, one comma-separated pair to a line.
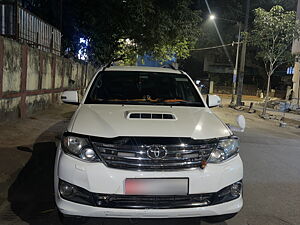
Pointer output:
x,y
126,87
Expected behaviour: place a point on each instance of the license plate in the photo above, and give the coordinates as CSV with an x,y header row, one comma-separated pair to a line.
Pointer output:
x,y
169,186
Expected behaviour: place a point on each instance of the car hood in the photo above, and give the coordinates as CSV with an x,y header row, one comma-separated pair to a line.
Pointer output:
x,y
104,120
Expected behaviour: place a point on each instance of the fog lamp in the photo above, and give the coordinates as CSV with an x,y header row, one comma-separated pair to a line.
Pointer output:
x,y
236,189
66,189
229,193
74,193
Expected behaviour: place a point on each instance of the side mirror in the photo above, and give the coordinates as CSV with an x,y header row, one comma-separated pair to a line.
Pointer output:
x,y
241,121
70,97
213,101
198,83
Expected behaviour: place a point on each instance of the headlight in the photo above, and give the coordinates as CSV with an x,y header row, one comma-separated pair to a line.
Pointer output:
x,y
79,147
226,149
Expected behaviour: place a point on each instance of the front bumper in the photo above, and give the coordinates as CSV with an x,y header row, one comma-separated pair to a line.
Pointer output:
x,y
71,208
97,178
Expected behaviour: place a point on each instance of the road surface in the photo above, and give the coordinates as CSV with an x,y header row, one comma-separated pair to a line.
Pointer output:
x,y
271,158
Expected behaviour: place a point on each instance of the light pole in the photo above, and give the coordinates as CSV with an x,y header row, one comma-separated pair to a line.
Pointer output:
x,y
232,103
240,85
234,77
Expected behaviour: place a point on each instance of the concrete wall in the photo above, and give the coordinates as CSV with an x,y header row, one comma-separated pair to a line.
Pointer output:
x,y
31,80
248,89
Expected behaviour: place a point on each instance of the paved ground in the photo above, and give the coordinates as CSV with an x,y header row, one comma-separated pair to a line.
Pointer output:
x,y
270,154
272,185
289,117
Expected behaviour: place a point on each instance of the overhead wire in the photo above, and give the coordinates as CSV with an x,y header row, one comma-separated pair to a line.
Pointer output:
x,y
215,47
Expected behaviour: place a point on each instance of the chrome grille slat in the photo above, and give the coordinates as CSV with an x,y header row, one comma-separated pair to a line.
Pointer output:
x,y
184,152
135,156
205,146
156,165
138,149
115,157
156,202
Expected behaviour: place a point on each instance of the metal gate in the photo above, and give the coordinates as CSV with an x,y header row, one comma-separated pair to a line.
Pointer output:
x,y
20,24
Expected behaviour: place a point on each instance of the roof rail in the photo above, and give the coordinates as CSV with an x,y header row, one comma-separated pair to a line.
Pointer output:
x,y
110,63
169,66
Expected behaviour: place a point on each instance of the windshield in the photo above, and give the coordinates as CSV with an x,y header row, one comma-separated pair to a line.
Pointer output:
x,y
127,87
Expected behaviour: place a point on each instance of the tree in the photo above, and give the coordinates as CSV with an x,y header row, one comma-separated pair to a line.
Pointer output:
x,y
273,35
159,28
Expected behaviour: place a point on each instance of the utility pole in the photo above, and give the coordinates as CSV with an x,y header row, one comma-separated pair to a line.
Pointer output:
x,y
296,76
235,70
243,60
61,15
234,78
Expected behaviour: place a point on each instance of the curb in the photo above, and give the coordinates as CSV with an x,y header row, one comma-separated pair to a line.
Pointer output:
x,y
290,122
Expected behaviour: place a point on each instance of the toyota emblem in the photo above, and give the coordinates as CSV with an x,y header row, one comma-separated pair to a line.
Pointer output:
x,y
157,151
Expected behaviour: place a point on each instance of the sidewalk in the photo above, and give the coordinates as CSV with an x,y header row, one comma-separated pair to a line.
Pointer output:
x,y
18,138
286,115
291,118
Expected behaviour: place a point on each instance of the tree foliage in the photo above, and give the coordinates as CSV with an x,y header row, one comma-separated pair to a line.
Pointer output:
x,y
268,4
272,35
159,28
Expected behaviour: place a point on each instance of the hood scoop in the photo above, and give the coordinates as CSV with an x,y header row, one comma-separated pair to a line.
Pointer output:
x,y
150,116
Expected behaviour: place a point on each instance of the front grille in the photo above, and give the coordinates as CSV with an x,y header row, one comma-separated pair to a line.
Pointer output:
x,y
153,153
153,202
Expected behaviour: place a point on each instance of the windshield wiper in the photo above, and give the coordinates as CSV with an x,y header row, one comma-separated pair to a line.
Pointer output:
x,y
146,102
121,101
179,102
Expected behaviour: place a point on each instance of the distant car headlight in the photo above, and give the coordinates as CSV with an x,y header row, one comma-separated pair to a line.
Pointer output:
x,y
79,147
227,148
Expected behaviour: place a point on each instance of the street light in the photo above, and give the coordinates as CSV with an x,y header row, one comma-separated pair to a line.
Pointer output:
x,y
212,17
234,77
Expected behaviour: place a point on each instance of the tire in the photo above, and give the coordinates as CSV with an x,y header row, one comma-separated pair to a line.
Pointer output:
x,y
71,220
218,219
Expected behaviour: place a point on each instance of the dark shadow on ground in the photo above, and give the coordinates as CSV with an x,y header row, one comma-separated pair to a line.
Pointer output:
x,y
24,149
32,194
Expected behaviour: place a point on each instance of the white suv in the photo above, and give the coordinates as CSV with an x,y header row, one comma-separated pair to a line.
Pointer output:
x,y
144,144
